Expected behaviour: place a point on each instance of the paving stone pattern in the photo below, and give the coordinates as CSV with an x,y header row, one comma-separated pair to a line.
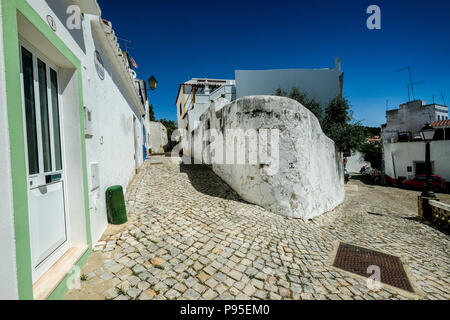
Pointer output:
x,y
191,237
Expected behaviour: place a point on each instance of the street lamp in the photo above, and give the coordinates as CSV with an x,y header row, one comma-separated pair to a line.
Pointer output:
x,y
427,134
152,82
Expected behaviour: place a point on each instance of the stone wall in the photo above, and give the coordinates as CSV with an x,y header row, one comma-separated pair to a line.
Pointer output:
x,y
302,178
433,210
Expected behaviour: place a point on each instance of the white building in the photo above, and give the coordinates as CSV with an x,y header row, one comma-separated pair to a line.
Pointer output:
x,y
405,122
405,160
321,84
194,98
71,127
158,137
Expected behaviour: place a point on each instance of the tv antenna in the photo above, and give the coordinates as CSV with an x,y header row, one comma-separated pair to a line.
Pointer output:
x,y
125,44
387,105
410,84
443,99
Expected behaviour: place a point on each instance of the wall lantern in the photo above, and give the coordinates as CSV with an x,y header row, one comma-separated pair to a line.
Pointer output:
x,y
152,82
427,132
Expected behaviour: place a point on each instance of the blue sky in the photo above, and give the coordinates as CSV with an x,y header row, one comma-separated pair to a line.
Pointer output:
x,y
178,40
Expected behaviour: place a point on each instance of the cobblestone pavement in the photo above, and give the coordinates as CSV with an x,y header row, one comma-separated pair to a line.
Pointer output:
x,y
191,237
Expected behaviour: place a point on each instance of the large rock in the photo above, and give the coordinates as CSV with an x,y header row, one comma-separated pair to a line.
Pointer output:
x,y
302,178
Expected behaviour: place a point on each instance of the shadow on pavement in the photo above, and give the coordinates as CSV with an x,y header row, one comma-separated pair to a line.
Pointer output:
x,y
204,180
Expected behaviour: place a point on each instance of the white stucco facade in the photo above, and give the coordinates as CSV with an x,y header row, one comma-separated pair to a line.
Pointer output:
x,y
117,137
195,97
400,158
302,177
158,137
321,84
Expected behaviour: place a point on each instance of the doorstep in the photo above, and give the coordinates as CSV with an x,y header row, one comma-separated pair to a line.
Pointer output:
x,y
53,277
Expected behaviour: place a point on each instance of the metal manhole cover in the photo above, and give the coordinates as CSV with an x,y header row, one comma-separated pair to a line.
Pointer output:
x,y
357,260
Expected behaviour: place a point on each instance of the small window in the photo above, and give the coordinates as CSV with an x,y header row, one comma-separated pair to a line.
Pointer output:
x,y
181,112
45,121
30,110
409,169
55,113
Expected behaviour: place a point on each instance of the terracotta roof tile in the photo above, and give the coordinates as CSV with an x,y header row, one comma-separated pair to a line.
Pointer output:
x,y
440,123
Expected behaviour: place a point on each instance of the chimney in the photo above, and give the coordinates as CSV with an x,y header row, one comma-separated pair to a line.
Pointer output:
x,y
337,64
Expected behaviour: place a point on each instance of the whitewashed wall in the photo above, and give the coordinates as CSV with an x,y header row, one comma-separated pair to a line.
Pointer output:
x,y
355,162
406,153
310,178
202,103
8,276
158,137
195,113
112,144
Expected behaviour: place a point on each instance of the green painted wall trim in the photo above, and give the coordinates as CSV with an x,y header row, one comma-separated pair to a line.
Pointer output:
x,y
16,134
17,149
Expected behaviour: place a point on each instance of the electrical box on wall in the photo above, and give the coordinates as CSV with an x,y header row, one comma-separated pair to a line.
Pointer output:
x,y
95,175
88,123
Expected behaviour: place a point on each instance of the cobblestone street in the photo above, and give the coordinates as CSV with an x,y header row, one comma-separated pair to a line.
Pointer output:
x,y
189,236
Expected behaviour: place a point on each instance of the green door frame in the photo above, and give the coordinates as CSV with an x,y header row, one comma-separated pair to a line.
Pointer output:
x,y
10,9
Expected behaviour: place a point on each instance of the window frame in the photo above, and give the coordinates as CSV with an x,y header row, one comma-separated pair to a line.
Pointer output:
x,y
37,54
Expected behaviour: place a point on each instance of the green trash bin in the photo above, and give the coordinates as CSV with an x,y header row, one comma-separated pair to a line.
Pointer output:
x,y
115,205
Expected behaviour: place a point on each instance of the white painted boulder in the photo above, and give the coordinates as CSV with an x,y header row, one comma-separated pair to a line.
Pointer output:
x,y
302,178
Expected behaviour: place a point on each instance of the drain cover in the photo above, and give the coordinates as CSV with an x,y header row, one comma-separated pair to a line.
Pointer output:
x,y
357,260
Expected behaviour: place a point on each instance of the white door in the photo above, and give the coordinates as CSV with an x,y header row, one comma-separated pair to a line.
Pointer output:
x,y
47,218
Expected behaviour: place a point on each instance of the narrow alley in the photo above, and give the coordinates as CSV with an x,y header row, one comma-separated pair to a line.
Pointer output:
x,y
189,236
